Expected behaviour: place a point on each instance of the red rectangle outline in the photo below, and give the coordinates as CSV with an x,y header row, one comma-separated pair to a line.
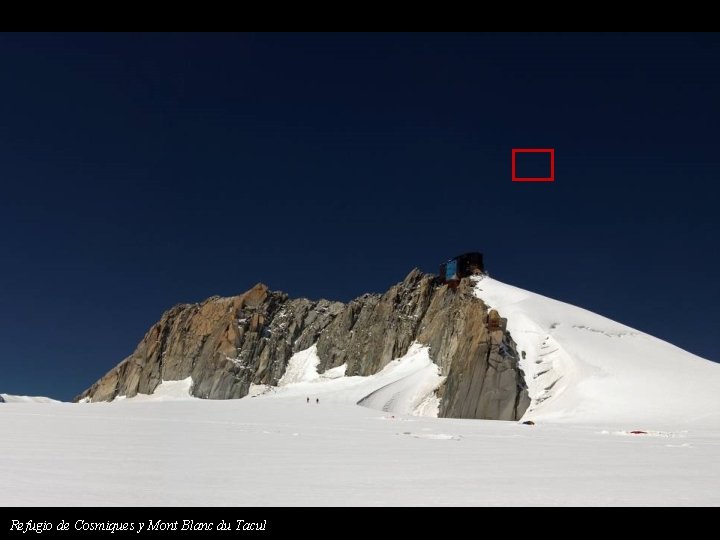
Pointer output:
x,y
550,151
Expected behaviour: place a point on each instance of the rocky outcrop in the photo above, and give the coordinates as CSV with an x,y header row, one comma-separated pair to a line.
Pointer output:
x,y
224,344
227,344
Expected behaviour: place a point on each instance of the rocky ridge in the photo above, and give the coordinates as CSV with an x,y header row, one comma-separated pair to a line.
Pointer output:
x,y
227,344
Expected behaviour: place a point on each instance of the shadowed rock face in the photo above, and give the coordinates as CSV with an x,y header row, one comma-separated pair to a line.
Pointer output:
x,y
227,344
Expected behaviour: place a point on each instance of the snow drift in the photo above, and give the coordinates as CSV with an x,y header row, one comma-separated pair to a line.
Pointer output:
x,y
7,398
405,386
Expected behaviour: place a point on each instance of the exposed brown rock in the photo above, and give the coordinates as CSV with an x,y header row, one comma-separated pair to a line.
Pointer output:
x,y
226,344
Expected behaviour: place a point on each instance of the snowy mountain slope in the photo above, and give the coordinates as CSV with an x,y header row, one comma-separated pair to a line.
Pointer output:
x,y
405,386
582,367
166,391
7,398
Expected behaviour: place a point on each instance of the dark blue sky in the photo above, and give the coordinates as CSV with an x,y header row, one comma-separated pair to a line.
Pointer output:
x,y
139,171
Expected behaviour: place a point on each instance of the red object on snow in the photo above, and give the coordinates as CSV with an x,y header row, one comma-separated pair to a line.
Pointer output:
x,y
637,432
